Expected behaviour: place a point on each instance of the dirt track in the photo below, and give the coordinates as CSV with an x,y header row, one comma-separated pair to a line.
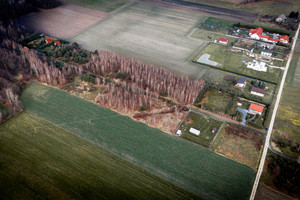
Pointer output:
x,y
208,10
62,22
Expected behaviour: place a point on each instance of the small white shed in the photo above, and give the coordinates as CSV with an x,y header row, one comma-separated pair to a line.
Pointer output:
x,y
194,131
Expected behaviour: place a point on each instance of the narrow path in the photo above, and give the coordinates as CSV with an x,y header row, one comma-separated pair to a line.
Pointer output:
x,y
267,142
282,155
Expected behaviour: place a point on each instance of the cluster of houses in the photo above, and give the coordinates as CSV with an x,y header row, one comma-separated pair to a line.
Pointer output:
x,y
258,34
241,83
56,43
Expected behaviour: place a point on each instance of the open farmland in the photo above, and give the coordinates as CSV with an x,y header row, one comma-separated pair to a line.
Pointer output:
x,y
102,5
62,22
152,34
202,123
240,144
232,62
51,163
195,168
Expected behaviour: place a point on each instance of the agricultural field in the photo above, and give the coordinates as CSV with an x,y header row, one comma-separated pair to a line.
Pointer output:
x,y
62,22
155,35
40,160
232,62
267,193
216,101
240,144
286,133
101,5
202,123
192,167
266,7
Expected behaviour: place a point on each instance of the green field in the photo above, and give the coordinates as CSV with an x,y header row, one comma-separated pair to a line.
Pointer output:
x,y
216,101
191,166
219,25
102,5
40,160
202,123
232,62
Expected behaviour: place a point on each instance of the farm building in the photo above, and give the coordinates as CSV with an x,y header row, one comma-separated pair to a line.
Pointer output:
x,y
57,43
258,66
255,33
48,40
284,39
255,109
223,41
241,82
266,53
257,91
258,34
194,131
281,18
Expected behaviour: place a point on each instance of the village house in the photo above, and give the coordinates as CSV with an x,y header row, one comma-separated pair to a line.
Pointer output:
x,y
284,39
223,41
258,66
241,82
257,91
255,109
258,34
48,40
266,53
57,43
281,18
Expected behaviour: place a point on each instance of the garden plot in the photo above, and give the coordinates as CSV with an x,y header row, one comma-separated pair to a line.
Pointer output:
x,y
152,34
207,126
62,22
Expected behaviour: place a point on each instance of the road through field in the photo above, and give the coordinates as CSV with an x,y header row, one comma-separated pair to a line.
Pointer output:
x,y
267,142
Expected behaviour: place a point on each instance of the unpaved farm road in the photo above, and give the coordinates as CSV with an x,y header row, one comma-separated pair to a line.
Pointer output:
x,y
219,12
267,142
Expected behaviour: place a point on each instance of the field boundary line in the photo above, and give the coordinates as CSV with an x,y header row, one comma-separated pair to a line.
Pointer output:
x,y
211,143
182,122
268,138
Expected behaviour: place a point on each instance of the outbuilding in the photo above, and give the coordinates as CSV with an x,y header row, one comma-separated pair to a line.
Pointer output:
x,y
257,91
223,40
194,131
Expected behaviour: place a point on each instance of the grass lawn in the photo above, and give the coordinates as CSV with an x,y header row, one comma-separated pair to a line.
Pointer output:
x,y
216,101
240,144
192,167
202,123
204,34
232,62
217,24
102,5
40,160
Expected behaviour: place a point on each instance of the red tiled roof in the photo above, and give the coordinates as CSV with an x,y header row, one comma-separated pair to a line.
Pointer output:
x,y
275,40
223,40
257,31
285,37
48,40
264,36
57,43
256,107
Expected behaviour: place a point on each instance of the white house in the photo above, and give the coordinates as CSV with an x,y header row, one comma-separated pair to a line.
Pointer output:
x,y
257,91
241,82
178,132
266,53
258,66
194,131
223,40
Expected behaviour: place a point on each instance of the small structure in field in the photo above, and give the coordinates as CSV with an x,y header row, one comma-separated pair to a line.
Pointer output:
x,y
194,131
266,53
239,104
257,91
255,109
223,40
258,66
178,132
214,129
241,82
281,18
48,40
57,43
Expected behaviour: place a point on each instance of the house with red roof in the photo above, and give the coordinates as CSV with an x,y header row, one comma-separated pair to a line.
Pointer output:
x,y
255,109
255,33
48,40
284,39
223,40
57,43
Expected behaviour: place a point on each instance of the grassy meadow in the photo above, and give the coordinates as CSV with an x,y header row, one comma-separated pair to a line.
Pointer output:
x,y
232,62
40,160
190,166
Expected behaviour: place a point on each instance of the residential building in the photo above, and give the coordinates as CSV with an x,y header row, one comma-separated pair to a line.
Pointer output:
x,y
281,18
284,39
257,91
258,66
266,53
48,40
255,109
223,41
241,82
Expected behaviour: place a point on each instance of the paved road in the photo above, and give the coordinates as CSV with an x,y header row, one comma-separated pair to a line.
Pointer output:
x,y
267,142
236,15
